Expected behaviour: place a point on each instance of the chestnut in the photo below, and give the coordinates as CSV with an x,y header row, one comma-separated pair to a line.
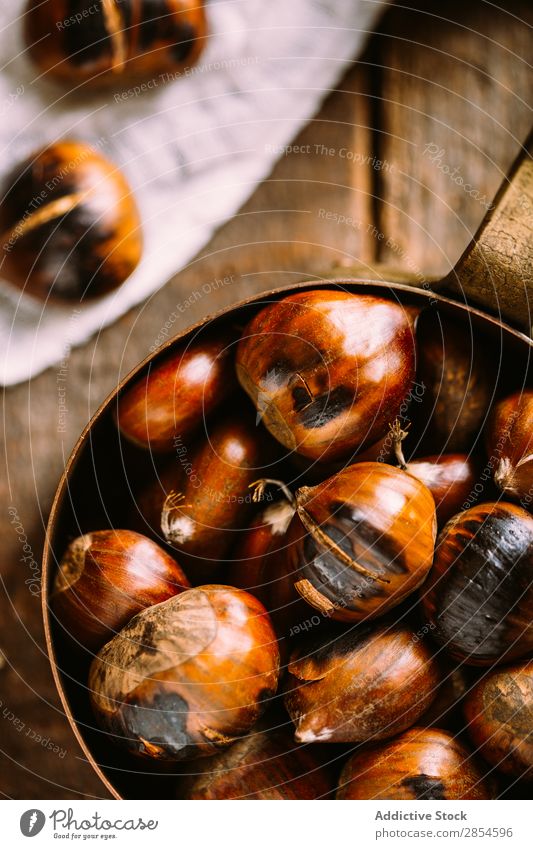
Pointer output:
x,y
70,225
510,446
458,376
479,594
201,502
187,677
170,403
446,706
105,578
360,685
499,712
422,763
328,370
450,478
361,541
116,39
263,540
263,765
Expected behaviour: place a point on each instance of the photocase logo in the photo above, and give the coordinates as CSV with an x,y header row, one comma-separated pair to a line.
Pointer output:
x,y
32,822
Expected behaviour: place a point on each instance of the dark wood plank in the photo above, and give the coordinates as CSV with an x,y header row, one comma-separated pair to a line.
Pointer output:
x,y
455,101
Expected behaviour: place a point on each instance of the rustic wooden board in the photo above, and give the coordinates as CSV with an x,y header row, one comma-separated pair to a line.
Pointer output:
x,y
462,83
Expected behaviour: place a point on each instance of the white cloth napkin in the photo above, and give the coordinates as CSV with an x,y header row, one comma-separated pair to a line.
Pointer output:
x,y
193,150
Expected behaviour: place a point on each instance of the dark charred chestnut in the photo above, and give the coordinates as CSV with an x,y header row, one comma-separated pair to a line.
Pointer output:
x,y
360,685
105,578
202,500
479,593
510,446
499,712
458,377
103,43
361,541
328,370
168,405
264,765
69,223
187,677
422,763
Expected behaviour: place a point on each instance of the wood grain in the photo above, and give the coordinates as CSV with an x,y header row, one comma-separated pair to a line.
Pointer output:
x,y
468,86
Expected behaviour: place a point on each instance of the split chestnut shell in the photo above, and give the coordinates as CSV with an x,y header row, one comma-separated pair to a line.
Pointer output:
x,y
328,370
361,541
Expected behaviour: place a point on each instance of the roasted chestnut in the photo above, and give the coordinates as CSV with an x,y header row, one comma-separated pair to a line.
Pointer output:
x,y
499,712
202,500
264,765
458,376
328,370
70,225
165,407
479,593
102,43
105,578
187,677
422,763
361,541
360,685
263,540
510,446
451,478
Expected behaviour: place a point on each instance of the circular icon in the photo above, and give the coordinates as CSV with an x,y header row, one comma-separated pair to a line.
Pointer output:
x,y
32,822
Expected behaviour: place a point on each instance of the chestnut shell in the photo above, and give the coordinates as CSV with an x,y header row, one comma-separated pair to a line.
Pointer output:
x,y
115,40
70,224
499,712
510,446
361,541
360,685
105,578
163,409
328,370
422,763
187,677
479,594
264,765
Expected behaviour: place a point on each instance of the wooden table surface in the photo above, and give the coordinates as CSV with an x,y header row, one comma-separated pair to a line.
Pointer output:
x,y
434,98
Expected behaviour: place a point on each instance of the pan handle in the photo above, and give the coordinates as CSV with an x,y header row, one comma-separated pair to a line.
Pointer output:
x,y
496,270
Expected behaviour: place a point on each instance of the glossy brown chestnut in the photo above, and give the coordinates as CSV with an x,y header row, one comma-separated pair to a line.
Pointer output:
x,y
458,377
103,43
69,223
510,446
361,541
264,539
169,404
187,677
422,763
105,578
479,594
360,685
328,370
499,712
264,765
450,478
202,500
